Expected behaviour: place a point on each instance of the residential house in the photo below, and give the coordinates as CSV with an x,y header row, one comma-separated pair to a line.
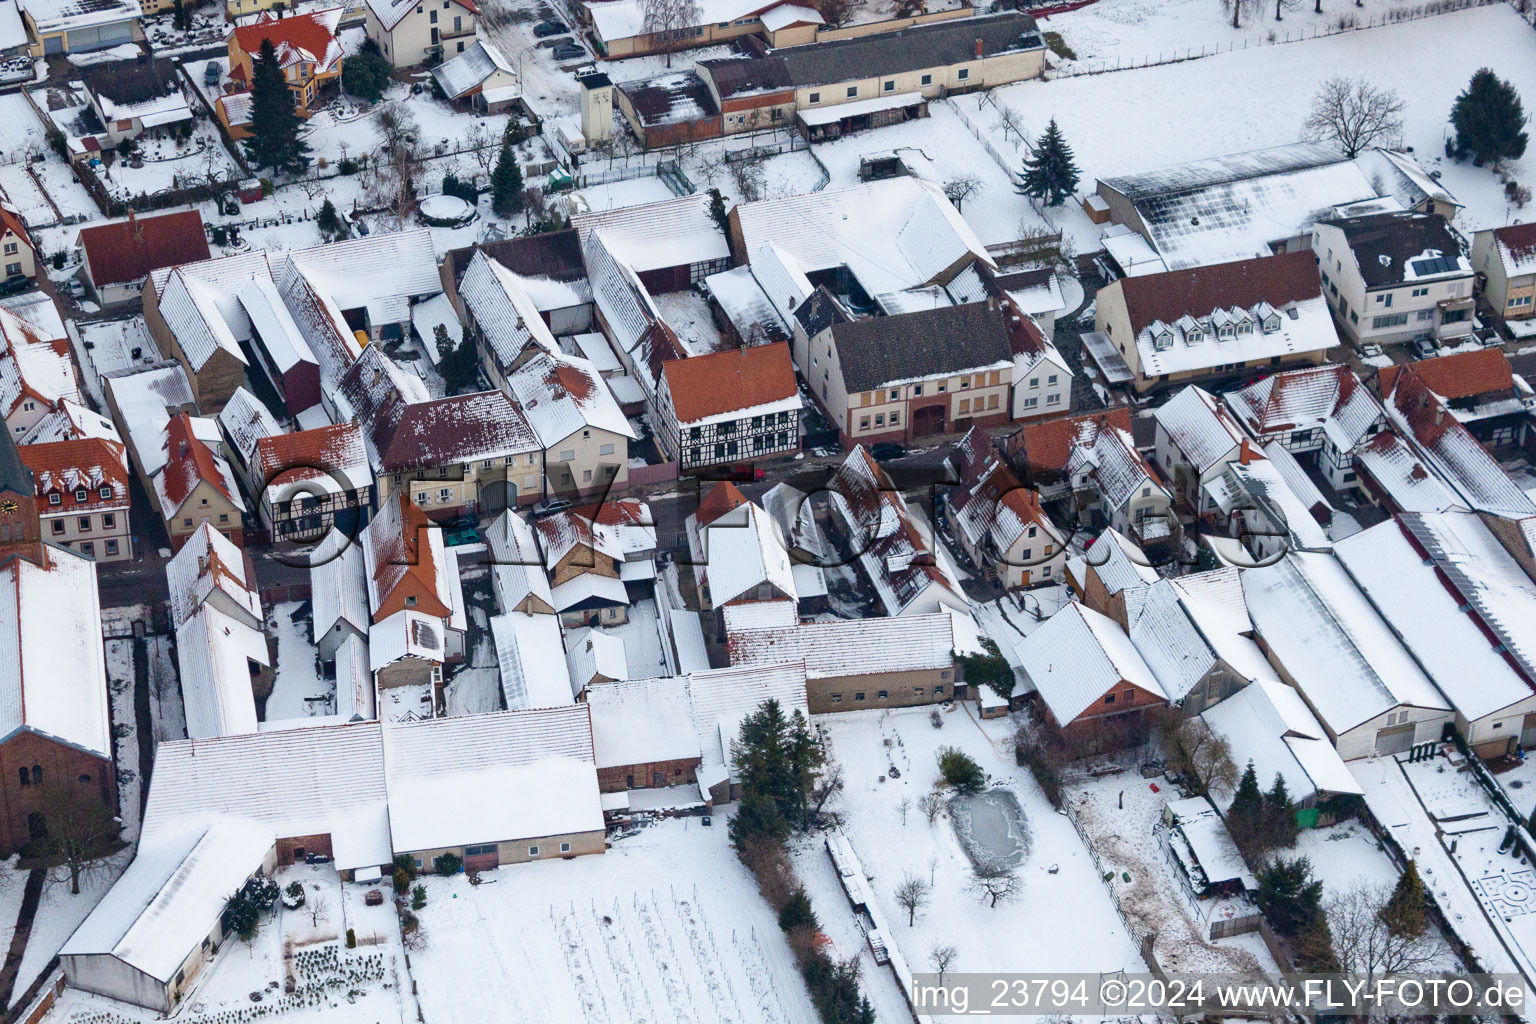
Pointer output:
x,y
1505,259
82,491
625,312
517,567
1395,277
750,94
244,420
1195,440
1459,603
737,554
37,375
594,658
855,664
60,732
582,559
998,521
306,46
548,267
1219,321
189,480
910,572
70,26
1195,635
1479,388
414,594
583,433
1272,726
411,32
794,511
670,109
1323,415
71,421
1093,460
477,77
634,526
695,246
313,480
183,317
726,406
1042,378
339,589
1324,638
221,651
1094,686
134,97
281,351
471,453
619,28
1262,505
118,257
18,256
500,316
1112,576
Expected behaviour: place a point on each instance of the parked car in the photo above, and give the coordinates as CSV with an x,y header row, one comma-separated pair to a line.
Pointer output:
x,y
1425,348
1370,351
886,450
549,28
552,506
15,283
568,51
212,73
745,473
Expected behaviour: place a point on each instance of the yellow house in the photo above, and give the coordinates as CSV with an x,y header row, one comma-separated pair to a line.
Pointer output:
x,y
307,50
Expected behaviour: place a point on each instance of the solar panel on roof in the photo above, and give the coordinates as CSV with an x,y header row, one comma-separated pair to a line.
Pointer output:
x,y
1433,265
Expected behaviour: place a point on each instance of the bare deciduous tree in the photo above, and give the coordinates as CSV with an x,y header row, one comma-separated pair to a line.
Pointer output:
x,y
994,885
319,908
836,12
1241,9
932,805
1194,750
669,22
73,827
1010,121
749,178
1354,115
943,958
1362,942
827,785
904,807
483,147
912,895
961,187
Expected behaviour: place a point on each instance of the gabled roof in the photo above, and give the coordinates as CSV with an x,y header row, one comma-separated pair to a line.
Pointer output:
x,y
1516,246
188,462
529,651
1479,371
190,310
1201,427
128,250
910,49
213,652
517,565
643,721
339,590
503,310
991,502
245,419
744,551
562,394
851,647
401,546
1118,562
672,233
1268,723
732,383
391,12
333,457
1047,444
721,498
879,351
592,656
1077,656
92,464
297,38
53,676
466,71
1329,398
207,562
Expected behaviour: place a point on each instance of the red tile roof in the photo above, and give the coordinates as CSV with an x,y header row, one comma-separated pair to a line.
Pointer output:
x,y
403,562
1048,444
1519,239
723,382
311,453
1278,280
300,31
64,467
130,249
12,222
1459,375
724,497
188,461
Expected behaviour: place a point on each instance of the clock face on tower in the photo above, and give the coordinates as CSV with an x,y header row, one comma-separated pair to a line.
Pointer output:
x,y
8,507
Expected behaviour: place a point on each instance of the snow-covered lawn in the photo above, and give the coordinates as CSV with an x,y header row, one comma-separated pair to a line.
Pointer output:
x,y
940,148
475,689
1344,855
167,712
667,926
168,164
20,130
112,345
1064,920
25,195
1133,121
1133,30
299,691
121,682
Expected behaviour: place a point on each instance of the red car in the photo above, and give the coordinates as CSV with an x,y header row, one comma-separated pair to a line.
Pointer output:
x,y
745,474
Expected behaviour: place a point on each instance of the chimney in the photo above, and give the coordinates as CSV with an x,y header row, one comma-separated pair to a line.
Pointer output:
x,y
1439,413
978,47
992,302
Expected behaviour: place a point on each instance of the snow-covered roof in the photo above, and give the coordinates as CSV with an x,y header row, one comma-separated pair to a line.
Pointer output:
x,y
245,419
851,647
746,305
213,655
1324,633
1208,840
1108,456
51,16
470,69
504,311
1119,563
52,664
785,15
355,690
591,587
514,775
1258,484
722,697
406,634
622,19
1447,636
71,421
781,278
593,656
744,552
532,661
747,615
815,116
1201,427
561,394
1220,337
1516,248
517,566
1214,602
32,364
391,12
223,277
190,311
1399,472
207,562
643,721
427,316
1169,641
1268,723
273,324
307,38
892,235
339,592
13,33
1077,656
673,233
302,464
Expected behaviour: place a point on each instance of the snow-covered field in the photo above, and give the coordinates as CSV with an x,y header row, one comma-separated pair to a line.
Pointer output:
x,y
20,130
1064,920
666,926
1133,121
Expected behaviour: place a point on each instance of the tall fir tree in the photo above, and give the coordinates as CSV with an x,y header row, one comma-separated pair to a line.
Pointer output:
x,y
1406,911
1245,818
327,220
1489,121
717,211
1051,174
1280,827
506,183
274,140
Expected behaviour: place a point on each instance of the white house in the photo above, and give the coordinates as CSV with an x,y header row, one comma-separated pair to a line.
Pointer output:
x,y
411,32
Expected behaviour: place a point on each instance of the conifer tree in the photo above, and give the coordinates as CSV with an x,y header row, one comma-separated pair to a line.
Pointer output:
x,y
1050,175
717,211
1405,913
1280,828
506,183
274,140
1489,120
327,219
1245,818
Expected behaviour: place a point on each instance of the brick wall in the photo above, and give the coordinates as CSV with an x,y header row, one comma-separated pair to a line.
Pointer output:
x,y
618,778
61,766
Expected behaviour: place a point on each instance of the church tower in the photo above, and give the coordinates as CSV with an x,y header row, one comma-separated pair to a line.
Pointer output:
x,y
21,529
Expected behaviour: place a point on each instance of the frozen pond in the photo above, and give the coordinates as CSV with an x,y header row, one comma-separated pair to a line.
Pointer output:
x,y
992,828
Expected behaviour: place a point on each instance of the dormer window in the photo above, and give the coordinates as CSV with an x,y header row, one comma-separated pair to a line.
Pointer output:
x,y
1245,328
1164,340
55,499
1194,337
1225,333
106,493
1271,324
82,495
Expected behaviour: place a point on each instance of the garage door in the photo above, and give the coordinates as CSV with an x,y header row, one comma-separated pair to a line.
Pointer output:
x,y
1394,741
